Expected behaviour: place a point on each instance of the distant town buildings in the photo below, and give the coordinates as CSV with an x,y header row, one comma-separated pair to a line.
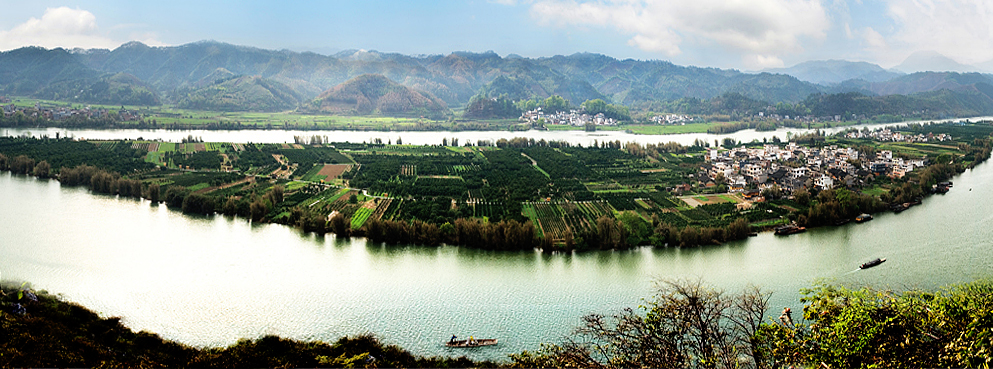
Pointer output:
x,y
573,118
671,119
886,134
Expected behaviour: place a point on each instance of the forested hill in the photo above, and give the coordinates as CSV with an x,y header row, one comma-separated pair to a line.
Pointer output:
x,y
251,93
138,74
60,75
376,94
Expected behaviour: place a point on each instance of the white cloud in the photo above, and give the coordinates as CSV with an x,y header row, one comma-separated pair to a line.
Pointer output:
x,y
873,39
750,28
960,29
758,62
58,27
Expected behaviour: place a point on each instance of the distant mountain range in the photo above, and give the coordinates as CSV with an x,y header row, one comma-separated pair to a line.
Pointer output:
x,y
218,76
829,72
932,61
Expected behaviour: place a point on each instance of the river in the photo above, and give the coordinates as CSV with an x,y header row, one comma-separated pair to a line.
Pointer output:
x,y
423,137
209,281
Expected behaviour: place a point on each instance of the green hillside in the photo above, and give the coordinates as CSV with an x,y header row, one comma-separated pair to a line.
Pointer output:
x,y
251,93
377,94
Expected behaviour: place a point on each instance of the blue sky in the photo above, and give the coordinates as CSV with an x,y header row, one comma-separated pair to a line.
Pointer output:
x,y
741,34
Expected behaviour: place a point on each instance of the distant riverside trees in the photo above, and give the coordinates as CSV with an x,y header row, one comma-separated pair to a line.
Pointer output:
x,y
484,107
598,106
503,235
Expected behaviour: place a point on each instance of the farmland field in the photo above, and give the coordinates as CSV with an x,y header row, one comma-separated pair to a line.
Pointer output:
x,y
697,200
332,171
361,215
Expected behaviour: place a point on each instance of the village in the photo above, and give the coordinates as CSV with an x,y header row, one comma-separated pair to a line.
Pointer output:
x,y
64,112
791,167
886,134
573,117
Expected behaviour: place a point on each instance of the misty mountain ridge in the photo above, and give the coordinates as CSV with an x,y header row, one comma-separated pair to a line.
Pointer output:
x,y
195,75
932,61
829,72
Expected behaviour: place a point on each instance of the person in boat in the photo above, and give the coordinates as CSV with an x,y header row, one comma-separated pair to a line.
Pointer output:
x,y
471,341
453,339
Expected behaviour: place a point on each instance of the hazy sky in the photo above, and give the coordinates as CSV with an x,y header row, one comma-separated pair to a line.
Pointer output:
x,y
742,34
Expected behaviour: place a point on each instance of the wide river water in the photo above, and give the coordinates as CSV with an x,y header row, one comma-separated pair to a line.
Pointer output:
x,y
209,281
420,137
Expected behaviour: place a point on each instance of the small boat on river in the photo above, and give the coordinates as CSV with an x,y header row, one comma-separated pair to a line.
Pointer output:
x,y
871,263
789,229
471,343
863,218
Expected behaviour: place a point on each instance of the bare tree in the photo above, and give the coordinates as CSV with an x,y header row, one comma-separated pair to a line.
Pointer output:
x,y
685,325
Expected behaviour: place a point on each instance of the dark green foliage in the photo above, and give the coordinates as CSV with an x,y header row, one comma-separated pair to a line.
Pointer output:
x,y
503,235
839,204
189,179
597,106
314,156
512,173
875,328
427,186
63,152
696,214
244,93
174,196
199,204
484,107
200,160
718,210
559,165
252,157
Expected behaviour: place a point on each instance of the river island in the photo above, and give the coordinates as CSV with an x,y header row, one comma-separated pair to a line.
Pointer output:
x,y
522,194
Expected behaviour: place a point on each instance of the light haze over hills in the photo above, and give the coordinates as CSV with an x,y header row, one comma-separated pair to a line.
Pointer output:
x,y
212,75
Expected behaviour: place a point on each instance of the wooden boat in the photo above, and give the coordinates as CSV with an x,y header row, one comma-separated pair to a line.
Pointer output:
x,y
863,218
475,343
871,263
789,229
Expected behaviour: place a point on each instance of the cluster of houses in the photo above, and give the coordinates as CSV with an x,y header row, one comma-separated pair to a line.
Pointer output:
x,y
887,135
671,119
573,117
793,167
60,113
